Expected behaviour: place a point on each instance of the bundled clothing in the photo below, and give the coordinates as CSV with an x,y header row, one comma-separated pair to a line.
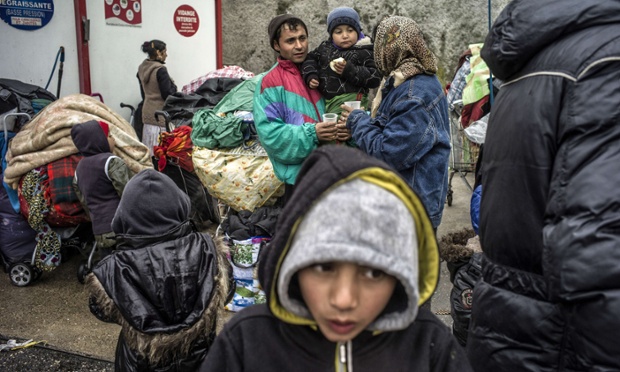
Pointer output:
x,y
409,127
100,178
550,211
367,216
165,282
285,111
46,138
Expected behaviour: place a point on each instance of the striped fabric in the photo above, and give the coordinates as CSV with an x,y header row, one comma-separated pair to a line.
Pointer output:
x,y
226,72
285,111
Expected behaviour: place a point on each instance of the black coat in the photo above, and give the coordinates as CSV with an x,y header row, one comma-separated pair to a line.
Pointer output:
x,y
255,340
165,282
550,213
359,76
166,297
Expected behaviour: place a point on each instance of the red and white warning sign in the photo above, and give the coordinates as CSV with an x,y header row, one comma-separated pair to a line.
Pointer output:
x,y
186,20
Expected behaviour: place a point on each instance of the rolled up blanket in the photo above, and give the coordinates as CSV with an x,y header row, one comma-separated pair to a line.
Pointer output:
x,y
47,137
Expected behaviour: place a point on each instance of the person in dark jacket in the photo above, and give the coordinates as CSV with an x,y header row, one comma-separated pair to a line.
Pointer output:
x,y
342,68
155,86
409,126
100,178
353,257
165,282
549,297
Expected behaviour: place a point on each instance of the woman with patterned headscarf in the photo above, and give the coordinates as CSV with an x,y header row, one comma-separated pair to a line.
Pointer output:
x,y
408,127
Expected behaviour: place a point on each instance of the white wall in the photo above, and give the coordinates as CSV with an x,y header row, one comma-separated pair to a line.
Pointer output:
x,y
29,56
115,52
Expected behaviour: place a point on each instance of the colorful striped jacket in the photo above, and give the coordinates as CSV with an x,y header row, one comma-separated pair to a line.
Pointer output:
x,y
285,111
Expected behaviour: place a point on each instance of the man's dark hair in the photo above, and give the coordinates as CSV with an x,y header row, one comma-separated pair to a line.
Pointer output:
x,y
276,27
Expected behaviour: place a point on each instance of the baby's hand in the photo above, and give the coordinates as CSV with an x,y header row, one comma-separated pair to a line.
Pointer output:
x,y
337,65
313,83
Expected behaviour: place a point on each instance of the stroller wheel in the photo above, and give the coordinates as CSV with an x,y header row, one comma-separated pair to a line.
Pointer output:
x,y
21,274
82,271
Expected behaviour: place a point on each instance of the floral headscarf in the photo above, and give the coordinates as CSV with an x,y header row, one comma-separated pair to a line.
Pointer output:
x,y
400,51
399,46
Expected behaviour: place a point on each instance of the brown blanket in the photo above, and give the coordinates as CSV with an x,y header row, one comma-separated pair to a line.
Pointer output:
x,y
47,137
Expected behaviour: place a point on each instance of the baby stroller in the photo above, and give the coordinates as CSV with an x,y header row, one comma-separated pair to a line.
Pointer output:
x,y
18,243
46,151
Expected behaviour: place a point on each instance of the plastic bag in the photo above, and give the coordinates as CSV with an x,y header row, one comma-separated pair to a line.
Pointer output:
x,y
241,178
243,257
477,131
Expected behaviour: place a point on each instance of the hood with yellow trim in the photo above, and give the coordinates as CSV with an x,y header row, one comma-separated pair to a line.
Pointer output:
x,y
325,169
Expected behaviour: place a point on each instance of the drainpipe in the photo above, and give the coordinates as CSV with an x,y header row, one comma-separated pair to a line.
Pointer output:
x,y
218,34
82,32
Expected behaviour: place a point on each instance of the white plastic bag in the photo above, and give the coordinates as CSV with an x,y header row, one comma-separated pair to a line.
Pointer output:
x,y
477,131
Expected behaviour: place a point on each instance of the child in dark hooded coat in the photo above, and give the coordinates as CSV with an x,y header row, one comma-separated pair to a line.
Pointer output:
x,y
100,178
165,282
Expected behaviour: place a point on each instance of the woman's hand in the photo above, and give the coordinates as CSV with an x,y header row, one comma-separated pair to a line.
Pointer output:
x,y
313,83
343,133
346,111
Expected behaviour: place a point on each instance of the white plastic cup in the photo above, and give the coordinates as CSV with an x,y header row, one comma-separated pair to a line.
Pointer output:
x,y
354,104
330,118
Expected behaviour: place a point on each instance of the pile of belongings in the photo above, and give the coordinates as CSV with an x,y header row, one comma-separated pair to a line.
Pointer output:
x,y
228,157
204,92
41,161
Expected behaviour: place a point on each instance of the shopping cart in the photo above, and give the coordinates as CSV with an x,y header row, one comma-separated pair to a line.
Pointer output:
x,y
464,153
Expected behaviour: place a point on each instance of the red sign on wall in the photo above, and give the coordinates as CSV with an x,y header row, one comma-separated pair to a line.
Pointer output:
x,y
186,20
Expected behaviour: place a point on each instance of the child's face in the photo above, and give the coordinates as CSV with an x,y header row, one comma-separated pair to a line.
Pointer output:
x,y
344,36
344,298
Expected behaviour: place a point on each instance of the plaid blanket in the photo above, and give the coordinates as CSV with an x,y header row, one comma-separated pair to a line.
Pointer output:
x,y
59,189
55,203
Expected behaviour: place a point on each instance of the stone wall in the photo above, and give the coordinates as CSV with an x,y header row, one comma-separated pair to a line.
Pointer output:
x,y
448,25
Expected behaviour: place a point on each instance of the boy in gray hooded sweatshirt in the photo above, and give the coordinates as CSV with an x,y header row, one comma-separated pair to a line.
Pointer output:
x,y
353,257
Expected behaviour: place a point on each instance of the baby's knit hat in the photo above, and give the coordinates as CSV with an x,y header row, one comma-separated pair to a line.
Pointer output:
x,y
365,224
343,16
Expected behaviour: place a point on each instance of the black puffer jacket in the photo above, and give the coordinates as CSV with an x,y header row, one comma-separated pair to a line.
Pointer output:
x,y
549,299
165,282
359,76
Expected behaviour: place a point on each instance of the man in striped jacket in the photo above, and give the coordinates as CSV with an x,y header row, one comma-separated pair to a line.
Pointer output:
x,y
288,114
